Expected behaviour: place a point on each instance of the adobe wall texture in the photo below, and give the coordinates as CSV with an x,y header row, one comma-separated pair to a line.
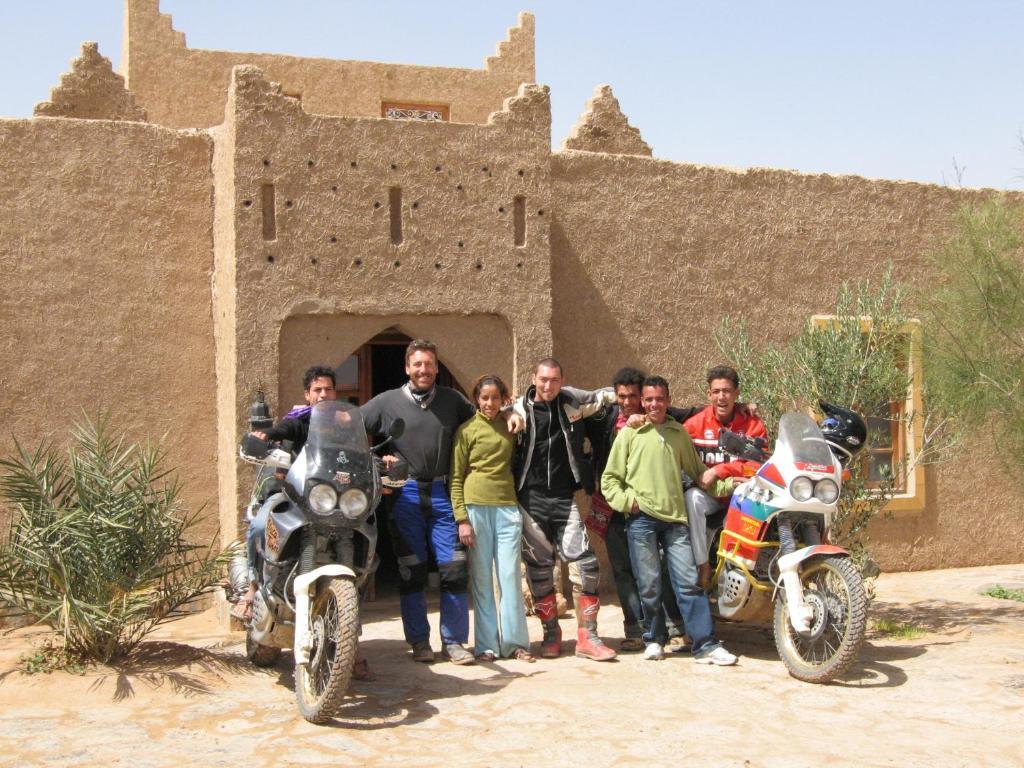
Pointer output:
x,y
183,87
321,246
648,255
106,250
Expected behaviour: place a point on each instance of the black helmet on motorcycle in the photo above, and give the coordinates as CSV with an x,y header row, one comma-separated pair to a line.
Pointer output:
x,y
844,430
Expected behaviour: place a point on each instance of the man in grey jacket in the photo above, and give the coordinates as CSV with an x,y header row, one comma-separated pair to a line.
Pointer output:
x,y
550,467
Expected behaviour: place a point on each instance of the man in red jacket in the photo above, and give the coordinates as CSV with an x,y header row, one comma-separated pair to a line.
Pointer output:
x,y
723,392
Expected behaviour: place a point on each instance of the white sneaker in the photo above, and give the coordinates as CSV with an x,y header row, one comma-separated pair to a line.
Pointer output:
x,y
719,657
653,652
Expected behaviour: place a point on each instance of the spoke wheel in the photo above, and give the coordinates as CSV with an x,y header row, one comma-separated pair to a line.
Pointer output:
x,y
334,626
834,590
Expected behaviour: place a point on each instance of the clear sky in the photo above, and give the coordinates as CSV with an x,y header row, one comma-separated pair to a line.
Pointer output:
x,y
897,89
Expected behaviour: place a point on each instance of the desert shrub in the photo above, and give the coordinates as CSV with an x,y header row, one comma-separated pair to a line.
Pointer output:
x,y
100,544
856,359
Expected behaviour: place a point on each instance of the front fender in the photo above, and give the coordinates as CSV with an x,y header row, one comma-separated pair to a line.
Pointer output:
x,y
303,587
800,614
793,559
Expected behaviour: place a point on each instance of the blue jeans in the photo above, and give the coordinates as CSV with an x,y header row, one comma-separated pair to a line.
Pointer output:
x,y
617,544
423,523
646,534
501,628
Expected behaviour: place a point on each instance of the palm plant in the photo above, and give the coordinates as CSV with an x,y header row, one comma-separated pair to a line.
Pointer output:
x,y
99,545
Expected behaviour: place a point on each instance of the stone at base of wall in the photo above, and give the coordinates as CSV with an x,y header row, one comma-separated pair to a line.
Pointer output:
x,y
12,618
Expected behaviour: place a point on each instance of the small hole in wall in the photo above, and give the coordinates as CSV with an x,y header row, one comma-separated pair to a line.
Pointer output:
x,y
247,203
310,163
334,239
353,164
376,204
519,265
394,167
398,263
437,167
479,265
521,172
415,205
288,203
270,259
358,262
484,169
540,213
266,162
458,187
313,261
334,188
461,244
501,209
438,265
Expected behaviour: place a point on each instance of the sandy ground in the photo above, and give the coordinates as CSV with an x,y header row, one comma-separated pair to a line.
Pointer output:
x,y
954,697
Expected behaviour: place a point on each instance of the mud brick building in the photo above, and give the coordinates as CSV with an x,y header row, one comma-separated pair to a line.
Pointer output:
x,y
205,223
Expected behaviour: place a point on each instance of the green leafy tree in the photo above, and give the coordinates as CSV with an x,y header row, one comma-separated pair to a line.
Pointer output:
x,y
99,546
974,323
857,359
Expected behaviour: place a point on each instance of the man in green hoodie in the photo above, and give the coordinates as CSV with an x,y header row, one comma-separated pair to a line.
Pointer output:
x,y
642,481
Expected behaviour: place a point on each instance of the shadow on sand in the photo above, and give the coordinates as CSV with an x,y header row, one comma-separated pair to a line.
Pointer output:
x,y
157,663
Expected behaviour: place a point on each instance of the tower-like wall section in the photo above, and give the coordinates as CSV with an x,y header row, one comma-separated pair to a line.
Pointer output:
x,y
380,221
106,252
648,256
182,87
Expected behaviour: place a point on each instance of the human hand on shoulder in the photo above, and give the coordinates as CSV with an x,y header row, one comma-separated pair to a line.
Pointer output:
x,y
636,421
749,410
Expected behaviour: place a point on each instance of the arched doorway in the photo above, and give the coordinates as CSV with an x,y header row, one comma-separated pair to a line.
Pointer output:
x,y
379,365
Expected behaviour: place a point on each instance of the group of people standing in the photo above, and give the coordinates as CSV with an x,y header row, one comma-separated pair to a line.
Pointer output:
x,y
494,483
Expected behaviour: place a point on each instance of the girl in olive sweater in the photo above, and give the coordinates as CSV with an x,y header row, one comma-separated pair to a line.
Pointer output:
x,y
490,524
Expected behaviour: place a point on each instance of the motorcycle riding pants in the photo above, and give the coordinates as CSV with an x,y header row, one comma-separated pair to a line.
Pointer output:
x,y
423,523
552,527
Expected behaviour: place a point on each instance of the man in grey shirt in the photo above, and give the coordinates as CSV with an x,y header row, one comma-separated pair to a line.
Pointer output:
x,y
422,519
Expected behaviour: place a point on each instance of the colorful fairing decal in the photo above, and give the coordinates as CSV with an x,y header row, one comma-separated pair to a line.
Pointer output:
x,y
805,466
771,473
755,509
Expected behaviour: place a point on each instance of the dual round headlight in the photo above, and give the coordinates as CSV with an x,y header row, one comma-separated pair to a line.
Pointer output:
x,y
353,503
323,500
803,488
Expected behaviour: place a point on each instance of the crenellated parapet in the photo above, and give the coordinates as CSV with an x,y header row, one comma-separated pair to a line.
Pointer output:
x,y
183,87
529,109
515,54
604,128
91,91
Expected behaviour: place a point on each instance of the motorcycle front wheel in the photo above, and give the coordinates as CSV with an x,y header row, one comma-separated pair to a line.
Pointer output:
x,y
334,626
834,589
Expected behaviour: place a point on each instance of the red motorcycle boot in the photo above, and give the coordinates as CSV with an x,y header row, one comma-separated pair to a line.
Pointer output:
x,y
547,611
588,644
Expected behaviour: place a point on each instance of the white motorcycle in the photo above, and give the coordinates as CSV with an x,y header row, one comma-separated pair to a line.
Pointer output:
x,y
317,550
774,560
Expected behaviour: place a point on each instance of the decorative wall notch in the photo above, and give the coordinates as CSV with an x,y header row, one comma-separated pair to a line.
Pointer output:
x,y
604,128
530,105
91,91
515,54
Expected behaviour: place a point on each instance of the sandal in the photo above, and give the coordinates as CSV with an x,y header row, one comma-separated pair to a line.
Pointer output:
x,y
521,654
361,671
487,657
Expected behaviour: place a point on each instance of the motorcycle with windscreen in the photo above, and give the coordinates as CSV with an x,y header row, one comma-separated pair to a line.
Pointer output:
x,y
316,551
774,563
